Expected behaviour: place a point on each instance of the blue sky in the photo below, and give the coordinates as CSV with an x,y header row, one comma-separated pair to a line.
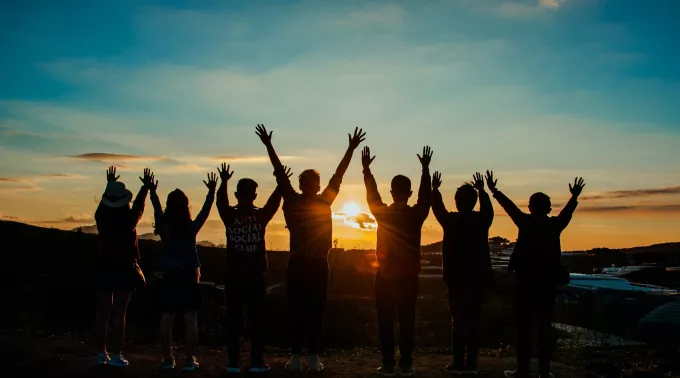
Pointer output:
x,y
539,91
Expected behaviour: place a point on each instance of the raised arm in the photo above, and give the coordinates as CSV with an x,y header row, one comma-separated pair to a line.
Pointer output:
x,y
438,208
510,208
333,187
137,209
207,205
567,212
222,202
485,206
425,190
282,179
375,203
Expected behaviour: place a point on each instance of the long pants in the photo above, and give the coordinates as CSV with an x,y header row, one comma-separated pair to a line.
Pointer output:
x,y
307,285
396,299
465,303
534,302
249,293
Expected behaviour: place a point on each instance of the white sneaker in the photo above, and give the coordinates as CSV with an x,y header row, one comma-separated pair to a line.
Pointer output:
x,y
233,370
118,361
294,364
103,358
314,364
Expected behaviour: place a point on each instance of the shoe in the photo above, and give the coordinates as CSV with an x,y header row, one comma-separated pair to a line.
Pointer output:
x,y
407,371
260,368
168,363
118,361
191,364
550,376
233,369
515,374
314,364
455,369
385,371
103,359
472,373
294,364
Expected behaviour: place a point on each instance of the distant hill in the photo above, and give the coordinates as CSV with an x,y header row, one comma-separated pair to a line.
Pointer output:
x,y
87,229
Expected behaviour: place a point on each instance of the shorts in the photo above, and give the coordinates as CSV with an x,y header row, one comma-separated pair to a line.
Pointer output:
x,y
178,291
115,277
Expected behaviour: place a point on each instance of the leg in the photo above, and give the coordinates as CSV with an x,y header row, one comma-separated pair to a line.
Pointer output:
x,y
121,300
296,308
386,308
234,304
406,313
166,333
191,334
317,306
524,317
104,306
256,308
457,327
472,313
544,314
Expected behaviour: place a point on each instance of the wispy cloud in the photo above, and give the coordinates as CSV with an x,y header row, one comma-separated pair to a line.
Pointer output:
x,y
249,159
617,194
524,10
362,221
71,219
105,157
11,180
660,209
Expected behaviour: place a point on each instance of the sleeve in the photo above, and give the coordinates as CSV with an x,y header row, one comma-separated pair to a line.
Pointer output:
x,y
137,209
222,203
567,212
283,182
331,192
373,198
424,195
272,205
157,211
485,208
205,211
439,209
510,208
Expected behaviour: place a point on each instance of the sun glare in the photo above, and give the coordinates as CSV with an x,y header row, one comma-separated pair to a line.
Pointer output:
x,y
351,209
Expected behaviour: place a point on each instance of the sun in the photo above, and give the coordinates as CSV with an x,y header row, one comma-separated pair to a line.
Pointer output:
x,y
351,209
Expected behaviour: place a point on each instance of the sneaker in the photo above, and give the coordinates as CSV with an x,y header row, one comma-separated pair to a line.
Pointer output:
x,y
455,369
190,364
470,372
233,369
168,363
314,364
550,376
118,361
260,368
385,371
514,374
103,358
294,364
407,371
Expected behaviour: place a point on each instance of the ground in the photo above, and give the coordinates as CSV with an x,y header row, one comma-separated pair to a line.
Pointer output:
x,y
68,356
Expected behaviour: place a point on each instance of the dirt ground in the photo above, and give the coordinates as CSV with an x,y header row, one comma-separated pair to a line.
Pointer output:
x,y
65,356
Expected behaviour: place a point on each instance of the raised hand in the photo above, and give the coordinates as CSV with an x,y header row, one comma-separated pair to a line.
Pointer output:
x,y
366,158
265,137
111,174
286,171
427,156
490,182
478,181
578,186
212,181
436,180
359,136
148,180
223,170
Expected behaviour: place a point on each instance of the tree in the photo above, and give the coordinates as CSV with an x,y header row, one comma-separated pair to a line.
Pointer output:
x,y
335,243
499,240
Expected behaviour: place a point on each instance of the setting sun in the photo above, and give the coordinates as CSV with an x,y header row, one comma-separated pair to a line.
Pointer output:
x,y
351,209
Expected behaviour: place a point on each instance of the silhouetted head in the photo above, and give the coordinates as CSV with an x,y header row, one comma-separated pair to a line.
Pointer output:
x,y
177,216
310,182
466,198
539,204
401,188
246,191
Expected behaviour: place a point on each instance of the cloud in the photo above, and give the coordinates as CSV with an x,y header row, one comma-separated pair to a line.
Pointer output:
x,y
522,10
362,221
69,219
657,209
249,159
617,194
11,180
104,157
551,4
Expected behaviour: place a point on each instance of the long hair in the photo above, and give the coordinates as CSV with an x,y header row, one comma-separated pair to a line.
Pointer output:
x,y
177,215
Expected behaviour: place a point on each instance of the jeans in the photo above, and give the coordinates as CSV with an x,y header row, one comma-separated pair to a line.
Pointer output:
x,y
465,302
534,302
307,285
249,293
395,298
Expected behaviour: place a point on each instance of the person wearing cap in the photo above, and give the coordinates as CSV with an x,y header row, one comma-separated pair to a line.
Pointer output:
x,y
309,219
117,272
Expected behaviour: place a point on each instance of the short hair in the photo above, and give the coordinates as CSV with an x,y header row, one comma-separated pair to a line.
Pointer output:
x,y
401,184
246,185
540,201
309,175
466,194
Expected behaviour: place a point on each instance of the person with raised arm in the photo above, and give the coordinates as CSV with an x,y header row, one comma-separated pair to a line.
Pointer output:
x,y
179,290
308,217
118,273
466,265
245,265
398,257
537,266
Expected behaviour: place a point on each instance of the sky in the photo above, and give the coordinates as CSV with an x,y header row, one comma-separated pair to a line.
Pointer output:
x,y
537,91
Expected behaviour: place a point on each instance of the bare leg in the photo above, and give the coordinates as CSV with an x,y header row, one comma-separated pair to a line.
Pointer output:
x,y
104,305
191,336
121,299
166,333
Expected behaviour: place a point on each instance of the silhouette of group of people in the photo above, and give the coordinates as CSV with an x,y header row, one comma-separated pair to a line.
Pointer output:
x,y
467,269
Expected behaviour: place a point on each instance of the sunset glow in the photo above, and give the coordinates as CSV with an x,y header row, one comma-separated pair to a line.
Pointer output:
x,y
351,209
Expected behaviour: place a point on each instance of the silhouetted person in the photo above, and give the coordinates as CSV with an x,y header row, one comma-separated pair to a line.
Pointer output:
x,y
398,256
118,274
466,265
245,266
536,263
309,219
179,290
